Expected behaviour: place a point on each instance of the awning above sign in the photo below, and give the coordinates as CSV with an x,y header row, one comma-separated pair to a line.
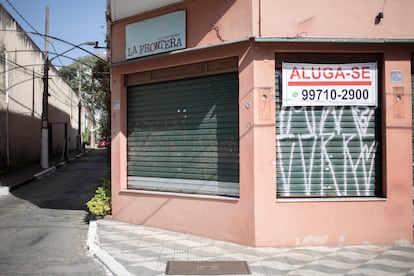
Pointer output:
x,y
351,84
156,35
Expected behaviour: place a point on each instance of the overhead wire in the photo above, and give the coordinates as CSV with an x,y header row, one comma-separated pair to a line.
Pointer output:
x,y
33,28
22,17
36,32
18,66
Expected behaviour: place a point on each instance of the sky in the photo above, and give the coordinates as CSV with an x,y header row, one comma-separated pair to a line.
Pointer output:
x,y
74,21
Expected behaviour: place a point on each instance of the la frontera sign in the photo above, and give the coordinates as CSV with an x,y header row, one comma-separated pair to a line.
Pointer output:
x,y
156,35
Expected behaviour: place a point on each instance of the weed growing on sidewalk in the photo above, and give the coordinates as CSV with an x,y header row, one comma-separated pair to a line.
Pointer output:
x,y
100,204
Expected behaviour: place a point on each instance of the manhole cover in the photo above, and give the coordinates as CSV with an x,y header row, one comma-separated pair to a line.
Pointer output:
x,y
206,267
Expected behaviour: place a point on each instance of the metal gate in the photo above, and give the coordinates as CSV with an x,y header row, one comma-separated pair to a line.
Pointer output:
x,y
326,151
183,135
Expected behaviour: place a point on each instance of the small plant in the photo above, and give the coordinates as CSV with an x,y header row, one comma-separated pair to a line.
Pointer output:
x,y
100,204
86,136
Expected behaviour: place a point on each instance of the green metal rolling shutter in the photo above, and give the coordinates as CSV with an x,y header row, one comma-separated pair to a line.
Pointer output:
x,y
326,151
183,135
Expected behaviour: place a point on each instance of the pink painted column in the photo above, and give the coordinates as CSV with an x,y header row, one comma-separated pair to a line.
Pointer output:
x,y
398,143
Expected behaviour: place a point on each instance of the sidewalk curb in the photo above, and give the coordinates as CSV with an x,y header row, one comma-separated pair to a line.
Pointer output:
x,y
101,255
46,171
5,190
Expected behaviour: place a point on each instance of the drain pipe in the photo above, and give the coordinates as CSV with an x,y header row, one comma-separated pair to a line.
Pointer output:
x,y
260,18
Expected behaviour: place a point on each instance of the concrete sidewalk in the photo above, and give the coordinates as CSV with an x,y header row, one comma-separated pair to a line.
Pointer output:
x,y
127,249
144,250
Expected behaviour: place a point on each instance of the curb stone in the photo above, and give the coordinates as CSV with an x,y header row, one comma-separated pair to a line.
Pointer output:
x,y
101,255
4,190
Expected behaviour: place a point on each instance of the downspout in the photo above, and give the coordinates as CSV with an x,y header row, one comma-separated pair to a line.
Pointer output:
x,y
260,18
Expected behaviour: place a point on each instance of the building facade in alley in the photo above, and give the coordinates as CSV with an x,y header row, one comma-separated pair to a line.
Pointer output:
x,y
21,94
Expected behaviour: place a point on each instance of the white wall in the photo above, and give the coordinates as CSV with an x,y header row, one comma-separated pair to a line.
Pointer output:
x,y
24,63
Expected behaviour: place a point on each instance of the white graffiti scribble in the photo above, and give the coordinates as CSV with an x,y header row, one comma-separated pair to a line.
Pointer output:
x,y
332,154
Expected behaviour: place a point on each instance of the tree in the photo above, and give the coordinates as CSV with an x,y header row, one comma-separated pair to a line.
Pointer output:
x,y
92,75
101,74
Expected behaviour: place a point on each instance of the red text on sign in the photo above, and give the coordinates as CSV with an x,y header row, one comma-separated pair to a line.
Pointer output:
x,y
330,73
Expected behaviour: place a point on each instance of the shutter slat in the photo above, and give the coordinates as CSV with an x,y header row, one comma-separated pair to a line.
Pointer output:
x,y
184,130
326,151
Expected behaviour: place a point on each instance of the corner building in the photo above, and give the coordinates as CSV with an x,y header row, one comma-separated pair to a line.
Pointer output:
x,y
263,122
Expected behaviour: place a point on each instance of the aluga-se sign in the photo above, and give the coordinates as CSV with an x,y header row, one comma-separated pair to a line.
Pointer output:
x,y
156,35
351,84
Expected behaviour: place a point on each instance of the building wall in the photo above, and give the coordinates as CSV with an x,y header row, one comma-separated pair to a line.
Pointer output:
x,y
346,19
211,21
232,224
24,61
257,217
342,221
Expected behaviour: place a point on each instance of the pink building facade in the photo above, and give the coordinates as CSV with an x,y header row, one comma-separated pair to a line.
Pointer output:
x,y
265,123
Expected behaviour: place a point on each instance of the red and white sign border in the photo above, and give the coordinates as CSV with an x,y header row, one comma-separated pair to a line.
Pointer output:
x,y
348,84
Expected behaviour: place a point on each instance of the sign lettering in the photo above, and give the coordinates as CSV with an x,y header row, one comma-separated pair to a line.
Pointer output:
x,y
156,35
305,84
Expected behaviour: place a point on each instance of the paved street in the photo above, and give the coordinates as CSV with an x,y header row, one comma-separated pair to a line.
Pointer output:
x,y
44,230
44,224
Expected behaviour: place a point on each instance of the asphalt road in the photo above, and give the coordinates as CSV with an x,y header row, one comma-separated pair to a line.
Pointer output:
x,y
44,224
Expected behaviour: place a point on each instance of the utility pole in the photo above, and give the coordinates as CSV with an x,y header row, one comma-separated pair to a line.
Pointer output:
x,y
79,142
44,151
6,88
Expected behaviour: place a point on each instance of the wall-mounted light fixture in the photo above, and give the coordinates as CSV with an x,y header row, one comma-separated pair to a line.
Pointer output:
x,y
379,17
99,47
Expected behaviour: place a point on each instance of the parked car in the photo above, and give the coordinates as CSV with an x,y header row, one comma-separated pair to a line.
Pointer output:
x,y
104,142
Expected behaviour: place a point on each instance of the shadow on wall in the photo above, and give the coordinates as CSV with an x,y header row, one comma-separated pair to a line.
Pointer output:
x,y
25,133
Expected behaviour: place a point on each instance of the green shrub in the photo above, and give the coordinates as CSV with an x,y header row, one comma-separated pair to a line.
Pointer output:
x,y
86,137
100,204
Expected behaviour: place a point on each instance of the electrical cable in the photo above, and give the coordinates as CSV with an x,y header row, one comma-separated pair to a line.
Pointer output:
x,y
24,19
33,28
18,66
